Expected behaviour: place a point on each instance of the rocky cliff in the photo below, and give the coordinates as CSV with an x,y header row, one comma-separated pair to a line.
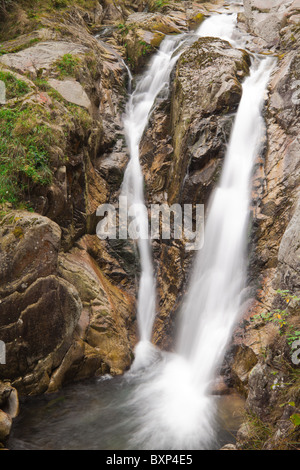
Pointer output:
x,y
67,299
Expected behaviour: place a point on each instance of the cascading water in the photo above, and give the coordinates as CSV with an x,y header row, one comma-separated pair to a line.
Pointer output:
x,y
172,406
136,119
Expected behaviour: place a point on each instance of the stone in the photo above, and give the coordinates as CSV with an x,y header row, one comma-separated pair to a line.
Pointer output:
x,y
259,390
244,361
29,249
108,307
165,24
9,400
289,252
5,392
229,447
12,407
244,433
50,309
72,91
5,426
41,56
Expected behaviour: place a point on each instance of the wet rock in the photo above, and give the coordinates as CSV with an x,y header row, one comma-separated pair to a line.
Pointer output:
x,y
5,426
229,447
12,407
244,361
9,400
214,91
29,250
108,308
50,309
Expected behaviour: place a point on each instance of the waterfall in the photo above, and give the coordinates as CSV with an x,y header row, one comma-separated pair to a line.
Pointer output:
x,y
172,405
153,82
214,298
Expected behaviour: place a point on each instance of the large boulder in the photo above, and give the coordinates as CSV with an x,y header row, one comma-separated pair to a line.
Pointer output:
x,y
5,426
63,316
29,249
41,56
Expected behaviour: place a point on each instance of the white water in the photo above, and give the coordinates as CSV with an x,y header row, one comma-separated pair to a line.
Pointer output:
x,y
173,407
153,82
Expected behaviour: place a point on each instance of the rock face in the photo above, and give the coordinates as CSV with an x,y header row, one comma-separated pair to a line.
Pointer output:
x,y
64,299
41,56
266,19
72,92
80,300
9,409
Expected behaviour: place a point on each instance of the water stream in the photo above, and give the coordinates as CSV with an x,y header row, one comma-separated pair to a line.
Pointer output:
x,y
152,83
165,399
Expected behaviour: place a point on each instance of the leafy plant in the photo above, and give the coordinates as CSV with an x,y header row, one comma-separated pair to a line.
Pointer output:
x,y
295,418
280,316
123,28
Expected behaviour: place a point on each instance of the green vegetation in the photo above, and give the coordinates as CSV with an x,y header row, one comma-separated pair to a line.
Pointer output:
x,y
159,4
146,48
12,12
29,135
123,28
281,317
20,47
25,139
14,87
67,66
258,432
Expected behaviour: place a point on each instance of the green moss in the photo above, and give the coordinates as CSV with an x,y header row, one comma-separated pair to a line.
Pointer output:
x,y
14,87
67,66
20,47
18,232
25,142
81,115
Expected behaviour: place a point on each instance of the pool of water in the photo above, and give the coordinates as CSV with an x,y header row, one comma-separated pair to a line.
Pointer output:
x,y
94,415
